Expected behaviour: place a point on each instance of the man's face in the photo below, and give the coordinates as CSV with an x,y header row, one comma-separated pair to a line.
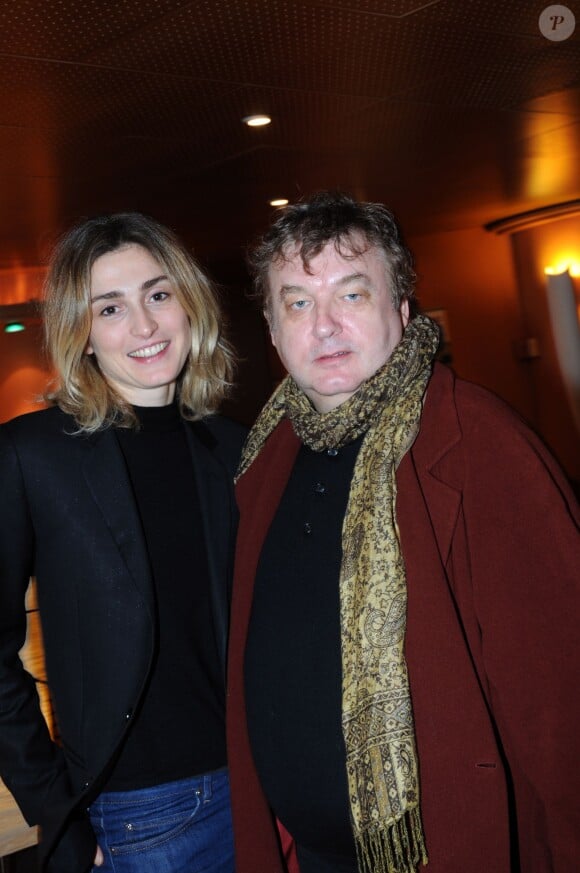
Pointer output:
x,y
335,326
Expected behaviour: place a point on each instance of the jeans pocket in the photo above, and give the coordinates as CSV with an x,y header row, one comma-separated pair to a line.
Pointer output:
x,y
147,828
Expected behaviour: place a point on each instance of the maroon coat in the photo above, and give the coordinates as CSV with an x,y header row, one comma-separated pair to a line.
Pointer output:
x,y
489,531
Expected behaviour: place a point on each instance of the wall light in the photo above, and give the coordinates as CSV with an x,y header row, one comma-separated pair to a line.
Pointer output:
x,y
562,265
257,120
281,201
14,327
566,332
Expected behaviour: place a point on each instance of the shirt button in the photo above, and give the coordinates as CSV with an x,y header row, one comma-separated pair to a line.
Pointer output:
x,y
320,488
307,528
332,453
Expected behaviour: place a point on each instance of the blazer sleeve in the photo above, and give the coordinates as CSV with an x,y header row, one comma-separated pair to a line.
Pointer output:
x,y
31,765
523,550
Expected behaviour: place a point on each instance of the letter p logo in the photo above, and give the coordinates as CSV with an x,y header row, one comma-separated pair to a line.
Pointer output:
x,y
557,23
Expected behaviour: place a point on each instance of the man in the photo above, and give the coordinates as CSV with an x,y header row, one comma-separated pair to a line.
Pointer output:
x,y
403,652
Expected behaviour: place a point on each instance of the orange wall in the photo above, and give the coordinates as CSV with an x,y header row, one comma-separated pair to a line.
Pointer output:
x,y
470,274
21,284
534,249
491,307
23,371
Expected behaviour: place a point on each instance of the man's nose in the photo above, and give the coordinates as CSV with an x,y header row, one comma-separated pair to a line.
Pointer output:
x,y
326,322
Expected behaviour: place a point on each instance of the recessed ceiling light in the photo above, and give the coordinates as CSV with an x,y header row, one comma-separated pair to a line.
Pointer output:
x,y
257,120
14,327
280,201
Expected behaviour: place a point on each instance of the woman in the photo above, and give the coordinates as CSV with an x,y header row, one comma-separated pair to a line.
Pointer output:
x,y
118,499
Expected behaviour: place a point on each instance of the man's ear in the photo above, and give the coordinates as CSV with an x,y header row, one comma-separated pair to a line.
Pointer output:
x,y
268,316
404,310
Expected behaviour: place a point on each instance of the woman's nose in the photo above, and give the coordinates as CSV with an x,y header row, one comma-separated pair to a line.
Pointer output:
x,y
143,324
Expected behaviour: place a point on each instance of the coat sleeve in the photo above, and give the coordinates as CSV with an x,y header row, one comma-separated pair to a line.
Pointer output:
x,y
31,765
523,551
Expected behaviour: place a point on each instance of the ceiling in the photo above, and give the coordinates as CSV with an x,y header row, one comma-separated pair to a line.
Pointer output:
x,y
453,112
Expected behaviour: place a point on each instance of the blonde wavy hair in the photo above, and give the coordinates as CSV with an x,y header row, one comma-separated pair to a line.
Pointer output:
x,y
81,389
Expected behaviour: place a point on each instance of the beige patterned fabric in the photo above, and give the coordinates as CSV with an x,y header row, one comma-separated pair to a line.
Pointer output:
x,y
377,720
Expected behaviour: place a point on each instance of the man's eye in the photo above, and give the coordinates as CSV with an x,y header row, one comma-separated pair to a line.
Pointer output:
x,y
354,295
298,304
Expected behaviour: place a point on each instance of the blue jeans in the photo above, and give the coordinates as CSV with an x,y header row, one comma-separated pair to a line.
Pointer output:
x,y
177,827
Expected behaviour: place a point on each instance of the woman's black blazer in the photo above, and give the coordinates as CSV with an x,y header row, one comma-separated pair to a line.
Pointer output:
x,y
68,517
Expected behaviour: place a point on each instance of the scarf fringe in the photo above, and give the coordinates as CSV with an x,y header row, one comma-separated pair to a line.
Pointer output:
x,y
399,848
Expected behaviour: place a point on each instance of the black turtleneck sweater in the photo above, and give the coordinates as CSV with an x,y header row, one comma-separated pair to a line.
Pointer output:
x,y
179,729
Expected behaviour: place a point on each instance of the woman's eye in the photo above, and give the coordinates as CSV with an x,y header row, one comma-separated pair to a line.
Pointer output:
x,y
159,296
109,310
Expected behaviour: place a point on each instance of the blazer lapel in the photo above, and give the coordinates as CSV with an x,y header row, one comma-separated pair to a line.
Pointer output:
x,y
440,481
107,477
